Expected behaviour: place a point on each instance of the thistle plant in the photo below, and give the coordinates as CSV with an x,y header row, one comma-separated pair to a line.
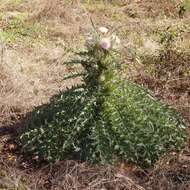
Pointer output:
x,y
104,119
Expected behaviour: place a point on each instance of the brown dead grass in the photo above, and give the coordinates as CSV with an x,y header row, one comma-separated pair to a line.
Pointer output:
x,y
30,79
170,80
45,8
170,173
31,75
154,9
68,175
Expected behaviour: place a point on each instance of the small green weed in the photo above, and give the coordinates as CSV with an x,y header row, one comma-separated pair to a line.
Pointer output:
x,y
183,7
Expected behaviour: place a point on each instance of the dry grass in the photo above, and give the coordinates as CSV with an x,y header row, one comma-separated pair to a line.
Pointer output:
x,y
67,175
46,8
32,71
167,75
30,79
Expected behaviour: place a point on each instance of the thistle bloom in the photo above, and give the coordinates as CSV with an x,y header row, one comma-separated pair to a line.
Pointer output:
x,y
105,43
103,30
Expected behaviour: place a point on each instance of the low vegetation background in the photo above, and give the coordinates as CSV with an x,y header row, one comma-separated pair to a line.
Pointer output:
x,y
36,37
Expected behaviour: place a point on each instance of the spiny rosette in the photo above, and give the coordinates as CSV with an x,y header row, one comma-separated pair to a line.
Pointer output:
x,y
104,119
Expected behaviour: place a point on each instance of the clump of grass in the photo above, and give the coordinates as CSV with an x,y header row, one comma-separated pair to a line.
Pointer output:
x,y
183,8
17,27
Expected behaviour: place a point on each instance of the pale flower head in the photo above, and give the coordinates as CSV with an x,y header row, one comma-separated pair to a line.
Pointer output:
x,y
105,43
103,30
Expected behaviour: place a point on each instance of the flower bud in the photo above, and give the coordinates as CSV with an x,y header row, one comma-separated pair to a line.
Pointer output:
x,y
105,43
103,30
